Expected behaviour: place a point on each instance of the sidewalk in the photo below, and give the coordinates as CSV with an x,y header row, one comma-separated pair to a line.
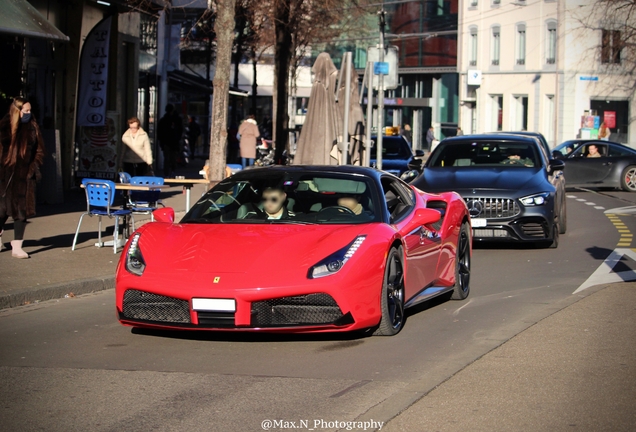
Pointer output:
x,y
54,271
573,371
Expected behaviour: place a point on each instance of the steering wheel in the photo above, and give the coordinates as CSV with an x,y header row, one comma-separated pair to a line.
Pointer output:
x,y
339,208
513,162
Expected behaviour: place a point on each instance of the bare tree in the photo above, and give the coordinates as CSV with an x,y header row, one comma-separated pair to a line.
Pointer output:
x,y
224,28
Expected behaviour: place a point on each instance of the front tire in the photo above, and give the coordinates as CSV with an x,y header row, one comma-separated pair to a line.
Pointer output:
x,y
392,300
628,179
461,289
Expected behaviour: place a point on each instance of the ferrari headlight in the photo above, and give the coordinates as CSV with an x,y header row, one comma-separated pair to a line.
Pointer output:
x,y
334,262
135,263
535,200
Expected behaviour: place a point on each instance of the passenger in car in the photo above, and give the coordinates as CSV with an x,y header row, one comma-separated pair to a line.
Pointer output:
x,y
592,151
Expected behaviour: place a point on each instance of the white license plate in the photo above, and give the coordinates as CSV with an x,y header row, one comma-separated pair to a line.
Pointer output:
x,y
479,223
216,305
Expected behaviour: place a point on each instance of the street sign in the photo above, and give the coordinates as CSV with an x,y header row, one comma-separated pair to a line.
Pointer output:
x,y
391,59
381,68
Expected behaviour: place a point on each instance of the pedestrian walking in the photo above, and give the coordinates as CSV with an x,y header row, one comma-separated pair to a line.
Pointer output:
x,y
604,132
460,132
21,155
136,154
169,131
194,132
430,137
249,134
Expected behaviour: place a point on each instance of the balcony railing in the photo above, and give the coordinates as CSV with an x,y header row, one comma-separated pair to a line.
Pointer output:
x,y
473,62
495,62
550,61
521,62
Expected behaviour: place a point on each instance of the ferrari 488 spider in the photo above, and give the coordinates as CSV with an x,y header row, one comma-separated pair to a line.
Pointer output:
x,y
297,249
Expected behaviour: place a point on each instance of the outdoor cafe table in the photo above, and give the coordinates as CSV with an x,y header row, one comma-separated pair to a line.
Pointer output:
x,y
187,184
128,187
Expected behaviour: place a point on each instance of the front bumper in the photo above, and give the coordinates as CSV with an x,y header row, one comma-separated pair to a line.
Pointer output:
x,y
326,304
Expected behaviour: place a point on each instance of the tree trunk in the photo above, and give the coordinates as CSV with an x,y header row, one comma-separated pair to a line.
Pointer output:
x,y
282,59
224,28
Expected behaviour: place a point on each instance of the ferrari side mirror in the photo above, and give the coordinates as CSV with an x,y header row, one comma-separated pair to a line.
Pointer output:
x,y
164,215
556,165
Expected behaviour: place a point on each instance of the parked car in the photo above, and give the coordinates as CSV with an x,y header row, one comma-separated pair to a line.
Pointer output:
x,y
511,188
396,154
297,249
614,167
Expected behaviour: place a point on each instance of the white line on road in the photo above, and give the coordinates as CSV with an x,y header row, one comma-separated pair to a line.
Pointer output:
x,y
571,196
457,311
604,274
599,208
623,210
590,203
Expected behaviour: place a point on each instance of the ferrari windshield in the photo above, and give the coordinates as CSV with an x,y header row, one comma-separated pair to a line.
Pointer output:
x,y
485,154
288,197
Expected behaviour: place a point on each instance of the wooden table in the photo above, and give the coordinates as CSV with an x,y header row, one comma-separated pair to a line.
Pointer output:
x,y
187,184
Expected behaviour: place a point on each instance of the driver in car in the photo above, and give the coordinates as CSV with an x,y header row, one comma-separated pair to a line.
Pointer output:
x,y
351,202
515,159
592,151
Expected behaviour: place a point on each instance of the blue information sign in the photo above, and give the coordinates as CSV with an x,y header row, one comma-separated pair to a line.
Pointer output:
x,y
381,68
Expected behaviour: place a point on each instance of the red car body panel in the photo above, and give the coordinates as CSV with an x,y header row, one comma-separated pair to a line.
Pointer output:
x,y
259,262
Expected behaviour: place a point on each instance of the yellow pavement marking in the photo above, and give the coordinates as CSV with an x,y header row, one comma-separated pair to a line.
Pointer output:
x,y
626,236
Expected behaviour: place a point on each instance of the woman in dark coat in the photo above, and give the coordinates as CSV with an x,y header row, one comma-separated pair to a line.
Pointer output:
x,y
21,154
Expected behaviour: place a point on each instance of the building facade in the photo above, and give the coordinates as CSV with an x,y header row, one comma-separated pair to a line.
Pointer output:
x,y
541,66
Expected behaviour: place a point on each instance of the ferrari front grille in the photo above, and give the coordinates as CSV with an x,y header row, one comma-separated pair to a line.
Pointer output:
x,y
143,306
311,309
492,208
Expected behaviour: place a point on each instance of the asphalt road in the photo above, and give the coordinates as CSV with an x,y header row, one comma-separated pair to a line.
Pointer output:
x,y
68,365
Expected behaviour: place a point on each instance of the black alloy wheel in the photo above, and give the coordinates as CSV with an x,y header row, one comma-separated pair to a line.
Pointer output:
x,y
392,301
461,289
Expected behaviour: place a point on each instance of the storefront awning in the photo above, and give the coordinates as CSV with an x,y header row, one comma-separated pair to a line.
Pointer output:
x,y
184,81
19,18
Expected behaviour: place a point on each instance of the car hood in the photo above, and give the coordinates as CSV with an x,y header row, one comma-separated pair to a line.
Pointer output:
x,y
462,179
239,248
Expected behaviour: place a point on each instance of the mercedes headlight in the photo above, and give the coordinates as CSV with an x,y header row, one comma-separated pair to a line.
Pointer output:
x,y
135,263
535,200
336,261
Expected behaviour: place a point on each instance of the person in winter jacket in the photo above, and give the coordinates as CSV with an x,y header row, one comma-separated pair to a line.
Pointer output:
x,y
249,135
21,155
136,154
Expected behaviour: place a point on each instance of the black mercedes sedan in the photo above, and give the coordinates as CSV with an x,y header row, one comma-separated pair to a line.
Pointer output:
x,y
595,163
511,188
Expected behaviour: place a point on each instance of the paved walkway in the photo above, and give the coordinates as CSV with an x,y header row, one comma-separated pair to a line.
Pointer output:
x,y
572,371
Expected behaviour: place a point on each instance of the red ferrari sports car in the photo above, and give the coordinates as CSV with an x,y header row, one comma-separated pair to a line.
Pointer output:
x,y
297,249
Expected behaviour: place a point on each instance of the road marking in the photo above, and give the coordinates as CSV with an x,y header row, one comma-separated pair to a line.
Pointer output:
x,y
624,211
571,196
590,203
599,208
581,199
605,273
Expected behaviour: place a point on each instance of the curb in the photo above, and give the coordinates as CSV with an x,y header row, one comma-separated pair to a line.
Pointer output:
x,y
55,291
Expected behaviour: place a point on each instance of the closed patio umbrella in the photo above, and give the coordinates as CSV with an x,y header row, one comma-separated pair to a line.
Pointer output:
x,y
319,133
356,117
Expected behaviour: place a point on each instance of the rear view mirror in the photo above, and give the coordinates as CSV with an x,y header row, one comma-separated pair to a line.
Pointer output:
x,y
556,165
164,215
426,216
419,153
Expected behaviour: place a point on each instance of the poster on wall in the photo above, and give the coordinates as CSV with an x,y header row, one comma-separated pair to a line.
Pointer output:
x,y
93,81
98,149
609,117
